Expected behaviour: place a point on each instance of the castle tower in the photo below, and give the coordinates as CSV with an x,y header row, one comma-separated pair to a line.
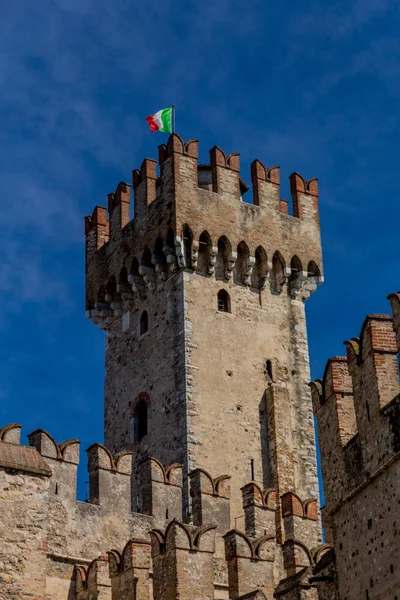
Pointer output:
x,y
202,297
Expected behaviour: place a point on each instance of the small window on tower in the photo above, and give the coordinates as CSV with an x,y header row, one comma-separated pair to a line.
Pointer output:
x,y
268,370
224,301
144,322
140,421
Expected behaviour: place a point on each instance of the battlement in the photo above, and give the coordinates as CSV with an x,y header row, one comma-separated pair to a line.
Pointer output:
x,y
355,404
93,581
76,537
183,562
130,571
192,217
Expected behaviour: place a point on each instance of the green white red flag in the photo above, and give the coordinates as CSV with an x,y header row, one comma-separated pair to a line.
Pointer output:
x,y
161,120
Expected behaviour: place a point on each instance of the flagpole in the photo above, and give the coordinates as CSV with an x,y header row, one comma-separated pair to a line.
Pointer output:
x,y
173,118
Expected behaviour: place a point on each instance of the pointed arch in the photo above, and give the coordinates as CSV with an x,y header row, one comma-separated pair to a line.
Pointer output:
x,y
313,271
101,294
242,260
158,249
295,264
278,273
187,236
111,291
159,259
175,524
260,271
146,258
224,251
170,239
259,543
247,545
123,276
134,267
296,276
140,417
205,246
224,301
144,323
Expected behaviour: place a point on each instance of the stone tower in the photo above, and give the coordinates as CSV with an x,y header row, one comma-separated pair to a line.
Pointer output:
x,y
202,296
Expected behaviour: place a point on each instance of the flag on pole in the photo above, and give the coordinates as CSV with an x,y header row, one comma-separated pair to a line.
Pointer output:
x,y
161,120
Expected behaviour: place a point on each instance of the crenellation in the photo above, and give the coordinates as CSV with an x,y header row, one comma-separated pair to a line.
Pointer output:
x,y
266,186
373,366
260,508
119,209
210,499
225,172
296,556
109,477
304,197
358,407
334,406
129,571
301,520
92,582
11,433
158,490
251,564
183,562
144,186
179,160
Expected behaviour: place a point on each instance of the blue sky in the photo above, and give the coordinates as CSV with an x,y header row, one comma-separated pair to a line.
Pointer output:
x,y
312,86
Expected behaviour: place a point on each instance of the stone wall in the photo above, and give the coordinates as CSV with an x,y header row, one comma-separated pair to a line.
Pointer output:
x,y
357,404
55,548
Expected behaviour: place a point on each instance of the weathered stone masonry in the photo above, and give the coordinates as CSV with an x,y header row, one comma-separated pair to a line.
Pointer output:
x,y
357,404
206,486
203,370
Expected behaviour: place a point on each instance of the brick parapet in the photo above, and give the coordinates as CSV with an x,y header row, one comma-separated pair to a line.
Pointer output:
x,y
355,404
175,199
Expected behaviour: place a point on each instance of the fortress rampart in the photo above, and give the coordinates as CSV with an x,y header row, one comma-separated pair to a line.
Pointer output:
x,y
357,404
57,548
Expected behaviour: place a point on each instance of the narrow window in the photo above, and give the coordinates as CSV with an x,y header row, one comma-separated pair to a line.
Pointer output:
x,y
224,301
268,369
252,468
56,490
187,244
144,322
140,420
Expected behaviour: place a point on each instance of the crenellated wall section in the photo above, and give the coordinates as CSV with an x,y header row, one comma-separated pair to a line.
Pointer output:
x,y
57,548
357,405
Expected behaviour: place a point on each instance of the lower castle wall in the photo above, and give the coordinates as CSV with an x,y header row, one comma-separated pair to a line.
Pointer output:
x,y
367,540
42,538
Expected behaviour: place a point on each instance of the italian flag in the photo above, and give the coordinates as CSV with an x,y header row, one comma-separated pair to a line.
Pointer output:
x,y
161,121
